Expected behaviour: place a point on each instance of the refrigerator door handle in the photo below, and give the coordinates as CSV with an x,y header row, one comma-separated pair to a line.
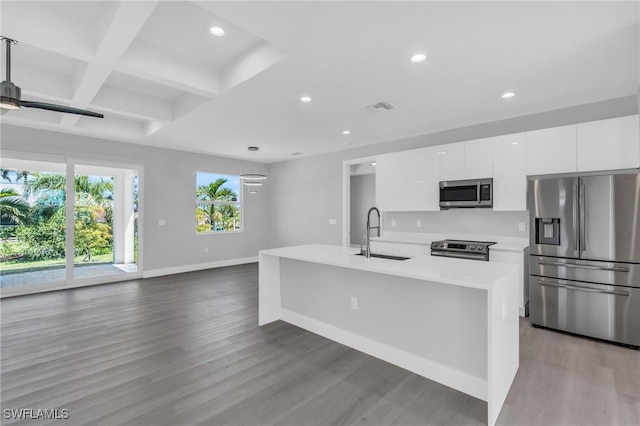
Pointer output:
x,y
587,289
573,265
583,220
576,220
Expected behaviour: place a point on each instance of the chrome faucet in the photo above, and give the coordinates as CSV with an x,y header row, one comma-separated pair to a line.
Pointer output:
x,y
367,252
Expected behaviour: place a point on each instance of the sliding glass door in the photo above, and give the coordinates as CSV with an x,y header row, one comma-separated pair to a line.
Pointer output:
x,y
32,224
47,242
104,228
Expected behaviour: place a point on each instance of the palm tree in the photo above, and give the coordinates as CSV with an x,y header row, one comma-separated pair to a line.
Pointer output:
x,y
13,208
215,192
58,182
20,175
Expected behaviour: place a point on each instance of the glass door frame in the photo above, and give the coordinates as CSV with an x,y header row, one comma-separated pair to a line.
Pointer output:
x,y
70,281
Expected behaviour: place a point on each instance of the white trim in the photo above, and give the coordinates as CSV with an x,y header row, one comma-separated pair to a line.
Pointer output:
x,y
346,195
456,379
198,267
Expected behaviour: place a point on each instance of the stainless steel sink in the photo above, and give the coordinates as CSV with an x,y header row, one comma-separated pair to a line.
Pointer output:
x,y
385,256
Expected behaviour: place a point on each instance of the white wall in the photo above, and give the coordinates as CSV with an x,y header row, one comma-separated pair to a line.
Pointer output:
x,y
363,197
306,192
169,193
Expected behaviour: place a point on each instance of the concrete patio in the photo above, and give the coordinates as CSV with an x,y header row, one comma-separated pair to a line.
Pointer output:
x,y
43,276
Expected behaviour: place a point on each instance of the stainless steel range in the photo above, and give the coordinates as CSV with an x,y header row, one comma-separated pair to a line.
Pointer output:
x,y
473,250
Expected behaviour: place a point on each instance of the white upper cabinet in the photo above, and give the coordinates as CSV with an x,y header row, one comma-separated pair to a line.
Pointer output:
x,y
509,172
408,180
452,161
609,144
478,159
552,151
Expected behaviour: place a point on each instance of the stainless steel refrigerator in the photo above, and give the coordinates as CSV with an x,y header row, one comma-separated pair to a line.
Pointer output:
x,y
585,255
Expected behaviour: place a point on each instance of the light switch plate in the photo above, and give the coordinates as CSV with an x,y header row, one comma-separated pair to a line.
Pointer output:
x,y
354,302
393,223
522,226
419,224
161,222
332,221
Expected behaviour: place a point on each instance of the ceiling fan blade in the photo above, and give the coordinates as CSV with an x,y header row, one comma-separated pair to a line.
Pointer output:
x,y
60,108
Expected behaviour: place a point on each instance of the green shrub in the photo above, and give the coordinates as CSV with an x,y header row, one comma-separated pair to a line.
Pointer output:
x,y
43,241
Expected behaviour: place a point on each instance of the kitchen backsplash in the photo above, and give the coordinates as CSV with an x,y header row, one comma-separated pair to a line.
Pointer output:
x,y
459,221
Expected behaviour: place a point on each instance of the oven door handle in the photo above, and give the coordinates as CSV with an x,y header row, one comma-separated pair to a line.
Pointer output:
x,y
587,289
573,265
460,255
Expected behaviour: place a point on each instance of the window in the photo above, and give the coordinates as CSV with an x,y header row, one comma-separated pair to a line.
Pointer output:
x,y
218,204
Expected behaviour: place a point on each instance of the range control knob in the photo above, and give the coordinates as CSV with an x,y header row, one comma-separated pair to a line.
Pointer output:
x,y
472,247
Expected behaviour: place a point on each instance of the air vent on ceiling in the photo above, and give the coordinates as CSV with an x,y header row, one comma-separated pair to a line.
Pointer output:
x,y
380,106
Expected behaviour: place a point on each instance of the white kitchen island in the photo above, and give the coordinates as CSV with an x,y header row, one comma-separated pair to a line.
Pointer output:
x,y
453,321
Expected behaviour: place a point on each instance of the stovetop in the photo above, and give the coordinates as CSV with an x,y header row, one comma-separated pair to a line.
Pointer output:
x,y
475,250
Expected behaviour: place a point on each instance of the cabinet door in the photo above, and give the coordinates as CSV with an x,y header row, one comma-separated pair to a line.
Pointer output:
x,y
452,161
509,172
552,151
408,180
478,159
609,144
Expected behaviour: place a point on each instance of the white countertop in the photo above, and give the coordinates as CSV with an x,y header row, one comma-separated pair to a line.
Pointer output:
x,y
466,273
502,243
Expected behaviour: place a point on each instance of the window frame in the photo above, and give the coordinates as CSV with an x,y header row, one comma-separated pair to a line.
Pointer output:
x,y
239,203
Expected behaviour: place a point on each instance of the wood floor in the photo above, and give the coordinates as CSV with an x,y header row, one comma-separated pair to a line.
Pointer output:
x,y
186,349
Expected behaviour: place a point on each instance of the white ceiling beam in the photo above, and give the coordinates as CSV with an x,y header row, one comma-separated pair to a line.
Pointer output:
x,y
186,85
133,105
128,19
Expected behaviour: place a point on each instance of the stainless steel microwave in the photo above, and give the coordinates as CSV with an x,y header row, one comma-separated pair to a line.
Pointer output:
x,y
466,193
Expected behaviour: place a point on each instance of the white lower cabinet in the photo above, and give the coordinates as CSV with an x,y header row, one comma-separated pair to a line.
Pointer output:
x,y
609,144
509,173
408,180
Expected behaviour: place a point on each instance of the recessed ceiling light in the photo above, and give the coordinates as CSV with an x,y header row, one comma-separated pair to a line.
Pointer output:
x,y
373,163
305,99
514,143
508,95
442,152
216,31
418,57
346,132
253,148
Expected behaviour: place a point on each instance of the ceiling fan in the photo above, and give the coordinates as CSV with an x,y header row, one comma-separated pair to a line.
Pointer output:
x,y
10,93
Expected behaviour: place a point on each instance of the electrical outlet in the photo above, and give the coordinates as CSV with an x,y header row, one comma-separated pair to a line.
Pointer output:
x,y
206,249
161,222
419,224
332,221
393,223
354,302
522,226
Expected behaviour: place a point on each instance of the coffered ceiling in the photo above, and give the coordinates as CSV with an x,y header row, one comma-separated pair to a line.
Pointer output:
x,y
161,79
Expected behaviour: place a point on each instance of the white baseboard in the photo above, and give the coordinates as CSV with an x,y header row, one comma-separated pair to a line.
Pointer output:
x,y
471,385
198,267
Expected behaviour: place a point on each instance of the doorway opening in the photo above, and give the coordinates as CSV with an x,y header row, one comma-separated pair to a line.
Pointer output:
x,y
359,195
